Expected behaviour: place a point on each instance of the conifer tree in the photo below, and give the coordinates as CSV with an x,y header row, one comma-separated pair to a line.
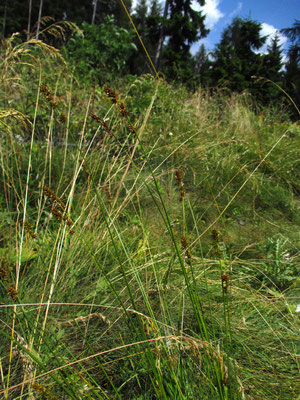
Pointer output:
x,y
292,67
201,66
138,61
77,11
235,59
183,27
273,60
272,70
147,21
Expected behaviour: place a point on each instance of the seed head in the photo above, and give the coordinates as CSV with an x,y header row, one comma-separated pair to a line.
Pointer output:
x,y
111,94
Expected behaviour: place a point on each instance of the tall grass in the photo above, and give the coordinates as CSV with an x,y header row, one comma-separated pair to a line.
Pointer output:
x,y
149,240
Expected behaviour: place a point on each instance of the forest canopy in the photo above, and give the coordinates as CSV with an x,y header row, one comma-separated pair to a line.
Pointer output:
x,y
110,47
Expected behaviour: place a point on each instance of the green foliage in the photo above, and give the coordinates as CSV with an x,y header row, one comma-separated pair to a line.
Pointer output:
x,y
161,258
279,268
147,21
201,66
183,27
77,11
236,63
102,53
292,74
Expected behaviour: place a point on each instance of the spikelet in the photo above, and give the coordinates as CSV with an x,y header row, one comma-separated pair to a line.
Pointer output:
x,y
4,270
59,215
111,94
28,229
225,282
184,245
52,100
12,291
216,240
102,123
179,183
49,193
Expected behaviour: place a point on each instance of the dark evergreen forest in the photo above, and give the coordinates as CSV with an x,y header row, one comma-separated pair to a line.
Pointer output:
x,y
108,46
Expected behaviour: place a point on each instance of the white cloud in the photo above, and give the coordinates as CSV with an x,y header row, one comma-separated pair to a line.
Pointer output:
x,y
270,31
195,46
236,10
211,10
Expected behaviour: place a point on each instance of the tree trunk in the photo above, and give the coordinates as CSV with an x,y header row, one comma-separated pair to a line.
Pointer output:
x,y
39,20
29,19
161,37
94,11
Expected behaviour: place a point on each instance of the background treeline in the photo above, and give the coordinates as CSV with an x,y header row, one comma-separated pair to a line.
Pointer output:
x,y
110,48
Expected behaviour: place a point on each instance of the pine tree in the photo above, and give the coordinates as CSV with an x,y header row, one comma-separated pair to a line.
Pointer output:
x,y
153,26
138,61
11,19
273,60
4,18
272,70
292,73
235,59
78,11
183,27
141,12
147,21
161,35
113,7
202,65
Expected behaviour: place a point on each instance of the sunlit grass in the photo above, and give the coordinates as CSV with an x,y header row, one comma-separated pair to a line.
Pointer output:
x,y
149,243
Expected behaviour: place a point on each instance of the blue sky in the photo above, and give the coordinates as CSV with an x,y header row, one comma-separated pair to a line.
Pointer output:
x,y
273,14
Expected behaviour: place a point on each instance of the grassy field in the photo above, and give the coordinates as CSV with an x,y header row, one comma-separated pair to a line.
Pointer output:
x,y
149,239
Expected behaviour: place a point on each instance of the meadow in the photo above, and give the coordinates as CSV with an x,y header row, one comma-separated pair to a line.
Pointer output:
x,y
149,238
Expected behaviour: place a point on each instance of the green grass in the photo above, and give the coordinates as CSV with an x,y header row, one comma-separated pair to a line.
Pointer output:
x,y
161,263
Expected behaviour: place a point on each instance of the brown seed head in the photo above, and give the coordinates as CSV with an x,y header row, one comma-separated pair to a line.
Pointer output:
x,y
111,94
215,235
13,293
184,243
